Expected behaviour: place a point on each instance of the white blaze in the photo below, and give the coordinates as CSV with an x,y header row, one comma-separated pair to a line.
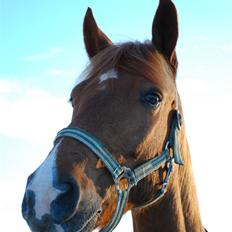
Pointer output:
x,y
42,184
111,74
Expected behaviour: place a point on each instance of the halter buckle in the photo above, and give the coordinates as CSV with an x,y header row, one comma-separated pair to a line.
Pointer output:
x,y
126,180
179,119
169,169
173,137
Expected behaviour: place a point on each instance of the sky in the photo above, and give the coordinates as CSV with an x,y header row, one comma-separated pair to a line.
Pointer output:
x,y
42,54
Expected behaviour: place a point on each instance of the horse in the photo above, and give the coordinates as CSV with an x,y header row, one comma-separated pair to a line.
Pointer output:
x,y
125,147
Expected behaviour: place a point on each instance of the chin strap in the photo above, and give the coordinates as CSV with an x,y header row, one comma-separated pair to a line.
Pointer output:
x,y
125,178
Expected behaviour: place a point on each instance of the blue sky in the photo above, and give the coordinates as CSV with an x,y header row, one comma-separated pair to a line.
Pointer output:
x,y
35,27
42,53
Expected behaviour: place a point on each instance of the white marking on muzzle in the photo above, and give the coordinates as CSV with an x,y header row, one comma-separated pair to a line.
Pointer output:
x,y
111,74
42,184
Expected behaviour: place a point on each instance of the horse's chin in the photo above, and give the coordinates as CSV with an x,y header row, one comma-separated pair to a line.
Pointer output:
x,y
74,225
77,223
89,225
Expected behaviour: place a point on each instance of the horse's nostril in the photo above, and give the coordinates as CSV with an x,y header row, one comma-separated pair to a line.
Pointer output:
x,y
63,207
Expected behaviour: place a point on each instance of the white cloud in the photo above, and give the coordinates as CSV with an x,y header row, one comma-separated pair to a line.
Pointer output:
x,y
208,114
57,72
8,87
226,47
10,202
49,54
31,114
201,37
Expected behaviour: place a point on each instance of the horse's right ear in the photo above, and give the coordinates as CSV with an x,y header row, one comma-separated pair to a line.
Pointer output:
x,y
165,30
95,40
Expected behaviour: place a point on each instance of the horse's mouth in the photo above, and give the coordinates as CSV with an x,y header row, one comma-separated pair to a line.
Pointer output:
x,y
75,224
84,222
89,225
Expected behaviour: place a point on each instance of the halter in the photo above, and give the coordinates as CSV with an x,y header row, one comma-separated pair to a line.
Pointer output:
x,y
170,153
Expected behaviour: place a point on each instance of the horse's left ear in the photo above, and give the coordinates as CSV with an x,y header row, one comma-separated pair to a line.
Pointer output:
x,y
95,40
165,30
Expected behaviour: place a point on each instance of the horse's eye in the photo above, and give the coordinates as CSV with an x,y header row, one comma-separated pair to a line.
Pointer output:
x,y
151,99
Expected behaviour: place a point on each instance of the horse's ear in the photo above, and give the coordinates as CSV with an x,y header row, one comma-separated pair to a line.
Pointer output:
x,y
165,30
95,40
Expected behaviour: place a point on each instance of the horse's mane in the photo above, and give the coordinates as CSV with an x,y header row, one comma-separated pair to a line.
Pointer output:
x,y
136,58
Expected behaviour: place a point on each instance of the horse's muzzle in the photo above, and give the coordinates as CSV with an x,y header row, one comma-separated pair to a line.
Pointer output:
x,y
66,212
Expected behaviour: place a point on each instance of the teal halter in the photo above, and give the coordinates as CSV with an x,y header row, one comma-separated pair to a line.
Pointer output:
x,y
133,176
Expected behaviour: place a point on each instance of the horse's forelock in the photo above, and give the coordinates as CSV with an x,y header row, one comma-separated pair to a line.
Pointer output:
x,y
133,58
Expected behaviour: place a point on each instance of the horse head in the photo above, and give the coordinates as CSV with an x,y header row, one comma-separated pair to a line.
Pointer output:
x,y
125,103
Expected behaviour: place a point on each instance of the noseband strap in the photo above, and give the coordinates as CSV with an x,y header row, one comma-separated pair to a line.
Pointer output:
x,y
170,153
96,147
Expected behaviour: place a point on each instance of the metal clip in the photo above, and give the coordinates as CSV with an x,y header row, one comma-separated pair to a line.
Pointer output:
x,y
126,180
169,169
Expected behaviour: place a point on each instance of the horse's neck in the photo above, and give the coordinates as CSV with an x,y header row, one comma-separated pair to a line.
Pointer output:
x,y
178,211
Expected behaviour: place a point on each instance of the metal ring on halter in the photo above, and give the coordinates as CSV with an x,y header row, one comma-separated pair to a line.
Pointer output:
x,y
129,176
